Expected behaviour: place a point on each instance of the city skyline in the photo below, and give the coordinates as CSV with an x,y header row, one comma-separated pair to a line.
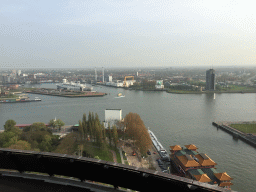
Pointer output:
x,y
111,34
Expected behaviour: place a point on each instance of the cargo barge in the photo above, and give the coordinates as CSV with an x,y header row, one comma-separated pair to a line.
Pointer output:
x,y
19,100
160,149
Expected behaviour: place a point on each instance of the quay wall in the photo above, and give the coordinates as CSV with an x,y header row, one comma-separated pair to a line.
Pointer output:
x,y
236,133
70,96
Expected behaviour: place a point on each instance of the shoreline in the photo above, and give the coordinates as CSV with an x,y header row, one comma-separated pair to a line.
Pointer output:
x,y
235,132
182,91
66,94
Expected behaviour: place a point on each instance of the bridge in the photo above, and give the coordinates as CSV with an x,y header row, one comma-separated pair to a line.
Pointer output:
x,y
84,169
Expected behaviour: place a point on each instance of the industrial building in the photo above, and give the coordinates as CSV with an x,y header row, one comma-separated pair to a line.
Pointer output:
x,y
210,80
119,83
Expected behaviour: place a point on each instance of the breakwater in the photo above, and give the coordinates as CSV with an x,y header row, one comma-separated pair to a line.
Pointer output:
x,y
249,139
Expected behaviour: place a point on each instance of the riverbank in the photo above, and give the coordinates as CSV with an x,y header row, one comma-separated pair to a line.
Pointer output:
x,y
208,92
183,91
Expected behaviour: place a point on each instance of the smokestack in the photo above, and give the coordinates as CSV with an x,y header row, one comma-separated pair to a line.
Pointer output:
x,y
95,75
102,74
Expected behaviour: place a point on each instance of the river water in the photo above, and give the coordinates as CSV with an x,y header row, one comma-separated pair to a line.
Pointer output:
x,y
174,118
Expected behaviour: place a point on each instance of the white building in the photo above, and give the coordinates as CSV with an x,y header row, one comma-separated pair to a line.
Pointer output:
x,y
19,72
159,84
115,84
111,116
109,78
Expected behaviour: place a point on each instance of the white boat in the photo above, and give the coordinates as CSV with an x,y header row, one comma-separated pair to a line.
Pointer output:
x,y
120,95
37,99
76,86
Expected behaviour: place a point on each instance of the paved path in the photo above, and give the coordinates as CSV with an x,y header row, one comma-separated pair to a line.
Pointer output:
x,y
114,156
121,155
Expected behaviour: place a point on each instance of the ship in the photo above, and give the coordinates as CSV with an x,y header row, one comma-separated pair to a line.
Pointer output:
x,y
19,100
120,95
160,149
75,86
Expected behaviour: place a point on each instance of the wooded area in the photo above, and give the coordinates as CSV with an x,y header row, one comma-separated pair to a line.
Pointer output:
x,y
92,138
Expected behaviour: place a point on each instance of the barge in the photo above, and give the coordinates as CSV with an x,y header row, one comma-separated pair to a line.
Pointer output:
x,y
160,149
19,100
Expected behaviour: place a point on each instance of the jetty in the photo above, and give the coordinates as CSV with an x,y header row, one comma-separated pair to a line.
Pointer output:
x,y
247,138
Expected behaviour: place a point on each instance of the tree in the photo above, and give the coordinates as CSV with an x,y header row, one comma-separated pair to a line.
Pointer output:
x,y
84,124
68,144
23,145
98,134
9,124
115,135
59,123
109,135
218,87
38,126
52,123
136,130
85,130
90,130
81,130
103,132
7,138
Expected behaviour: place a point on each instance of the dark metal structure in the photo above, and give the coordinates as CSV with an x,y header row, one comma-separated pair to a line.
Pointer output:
x,y
83,168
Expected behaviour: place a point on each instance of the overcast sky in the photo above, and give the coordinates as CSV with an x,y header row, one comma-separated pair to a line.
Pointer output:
x,y
123,33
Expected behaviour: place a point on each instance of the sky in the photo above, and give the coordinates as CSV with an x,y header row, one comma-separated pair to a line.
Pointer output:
x,y
127,33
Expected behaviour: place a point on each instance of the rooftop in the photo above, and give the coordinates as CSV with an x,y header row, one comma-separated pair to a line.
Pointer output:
x,y
223,176
203,178
204,160
188,161
191,147
176,148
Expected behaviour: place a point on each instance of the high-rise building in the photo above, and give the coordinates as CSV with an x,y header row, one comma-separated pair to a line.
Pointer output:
x,y
109,78
102,74
19,72
210,79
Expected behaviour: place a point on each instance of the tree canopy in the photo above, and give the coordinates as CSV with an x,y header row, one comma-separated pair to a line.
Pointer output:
x,y
9,124
137,131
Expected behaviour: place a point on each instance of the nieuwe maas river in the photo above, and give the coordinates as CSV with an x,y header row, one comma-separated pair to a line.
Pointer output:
x,y
175,119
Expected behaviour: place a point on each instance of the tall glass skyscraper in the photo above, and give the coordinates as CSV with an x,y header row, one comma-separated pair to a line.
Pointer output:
x,y
210,80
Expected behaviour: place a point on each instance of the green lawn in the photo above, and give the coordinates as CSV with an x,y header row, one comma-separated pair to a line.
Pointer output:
x,y
239,88
104,153
246,128
183,91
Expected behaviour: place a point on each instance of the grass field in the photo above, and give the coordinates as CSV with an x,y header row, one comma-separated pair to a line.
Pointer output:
x,y
239,88
246,128
104,153
183,92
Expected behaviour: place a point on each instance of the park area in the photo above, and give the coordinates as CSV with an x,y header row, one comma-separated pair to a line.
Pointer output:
x,y
245,127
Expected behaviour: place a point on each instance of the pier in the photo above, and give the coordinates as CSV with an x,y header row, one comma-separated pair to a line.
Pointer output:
x,y
251,140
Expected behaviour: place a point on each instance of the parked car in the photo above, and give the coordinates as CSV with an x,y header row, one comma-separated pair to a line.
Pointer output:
x,y
148,152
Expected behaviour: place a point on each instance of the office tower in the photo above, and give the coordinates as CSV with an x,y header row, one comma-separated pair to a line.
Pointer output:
x,y
210,80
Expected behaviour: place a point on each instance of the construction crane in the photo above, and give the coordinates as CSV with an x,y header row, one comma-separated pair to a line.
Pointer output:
x,y
126,78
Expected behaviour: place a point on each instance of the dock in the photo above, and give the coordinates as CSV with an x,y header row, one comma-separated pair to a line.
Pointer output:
x,y
251,140
69,94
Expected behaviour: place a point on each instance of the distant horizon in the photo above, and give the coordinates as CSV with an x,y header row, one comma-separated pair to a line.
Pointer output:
x,y
135,68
